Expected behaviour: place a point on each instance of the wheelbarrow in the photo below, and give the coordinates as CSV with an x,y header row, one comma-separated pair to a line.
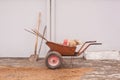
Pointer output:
x,y
54,58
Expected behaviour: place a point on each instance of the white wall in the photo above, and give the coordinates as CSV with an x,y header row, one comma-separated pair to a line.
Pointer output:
x,y
89,20
15,15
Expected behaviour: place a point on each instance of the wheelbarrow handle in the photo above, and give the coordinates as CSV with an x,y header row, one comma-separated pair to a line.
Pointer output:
x,y
96,43
90,41
87,44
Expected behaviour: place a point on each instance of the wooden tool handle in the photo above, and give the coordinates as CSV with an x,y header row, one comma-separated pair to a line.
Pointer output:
x,y
37,28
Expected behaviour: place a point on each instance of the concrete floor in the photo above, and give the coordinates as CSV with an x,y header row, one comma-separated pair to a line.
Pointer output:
x,y
102,69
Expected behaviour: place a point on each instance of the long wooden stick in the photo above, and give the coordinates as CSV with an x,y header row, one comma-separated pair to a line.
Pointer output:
x,y
38,26
35,32
30,31
39,34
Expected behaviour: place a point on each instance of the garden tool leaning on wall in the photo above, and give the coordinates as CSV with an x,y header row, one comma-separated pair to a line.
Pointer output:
x,y
35,56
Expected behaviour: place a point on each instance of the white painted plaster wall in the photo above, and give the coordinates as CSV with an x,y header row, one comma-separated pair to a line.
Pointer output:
x,y
89,20
15,15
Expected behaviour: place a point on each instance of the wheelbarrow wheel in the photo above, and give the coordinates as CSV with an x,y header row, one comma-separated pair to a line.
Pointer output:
x,y
53,60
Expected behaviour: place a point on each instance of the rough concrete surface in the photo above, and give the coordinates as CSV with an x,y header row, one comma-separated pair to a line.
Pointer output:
x,y
97,69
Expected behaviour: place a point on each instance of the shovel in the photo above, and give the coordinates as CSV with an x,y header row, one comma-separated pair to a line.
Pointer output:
x,y
35,56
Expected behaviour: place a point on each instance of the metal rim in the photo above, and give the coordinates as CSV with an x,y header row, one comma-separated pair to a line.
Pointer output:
x,y
53,60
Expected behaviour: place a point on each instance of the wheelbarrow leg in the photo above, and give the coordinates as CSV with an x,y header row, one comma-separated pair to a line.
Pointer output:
x,y
72,61
72,57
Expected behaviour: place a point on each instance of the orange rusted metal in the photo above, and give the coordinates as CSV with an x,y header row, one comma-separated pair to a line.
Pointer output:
x,y
67,50
63,50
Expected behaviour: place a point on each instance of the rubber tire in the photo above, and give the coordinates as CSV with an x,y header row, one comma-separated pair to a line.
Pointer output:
x,y
55,54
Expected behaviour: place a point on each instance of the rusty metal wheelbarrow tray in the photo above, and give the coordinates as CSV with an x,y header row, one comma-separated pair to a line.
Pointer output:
x,y
63,50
